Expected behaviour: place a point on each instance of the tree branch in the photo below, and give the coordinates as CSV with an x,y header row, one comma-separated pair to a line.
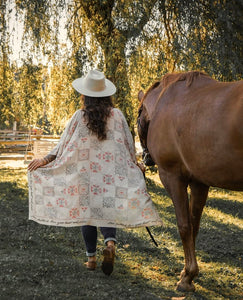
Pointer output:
x,y
136,30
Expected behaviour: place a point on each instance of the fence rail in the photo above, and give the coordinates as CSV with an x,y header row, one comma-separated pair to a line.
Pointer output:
x,y
24,145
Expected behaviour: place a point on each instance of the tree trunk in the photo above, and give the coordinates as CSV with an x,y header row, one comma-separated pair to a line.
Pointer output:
x,y
113,44
116,71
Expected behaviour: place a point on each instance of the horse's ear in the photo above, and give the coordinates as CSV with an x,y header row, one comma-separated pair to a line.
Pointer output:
x,y
140,95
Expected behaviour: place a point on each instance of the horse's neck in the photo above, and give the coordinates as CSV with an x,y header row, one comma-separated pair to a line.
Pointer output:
x,y
150,104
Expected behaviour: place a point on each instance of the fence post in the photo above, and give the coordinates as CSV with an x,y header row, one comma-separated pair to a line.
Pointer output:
x,y
14,128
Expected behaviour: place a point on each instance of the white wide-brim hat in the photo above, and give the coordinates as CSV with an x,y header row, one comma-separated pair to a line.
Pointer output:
x,y
94,84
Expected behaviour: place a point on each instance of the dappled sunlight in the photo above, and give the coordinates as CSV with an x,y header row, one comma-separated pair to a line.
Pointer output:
x,y
224,218
13,164
225,194
224,278
53,258
228,206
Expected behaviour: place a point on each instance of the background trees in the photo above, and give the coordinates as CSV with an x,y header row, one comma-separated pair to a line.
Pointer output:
x,y
133,42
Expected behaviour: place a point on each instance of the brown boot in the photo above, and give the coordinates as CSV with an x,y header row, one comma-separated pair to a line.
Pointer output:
x,y
91,263
108,262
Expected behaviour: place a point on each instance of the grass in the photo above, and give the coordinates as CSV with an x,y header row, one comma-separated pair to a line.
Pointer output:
x,y
42,262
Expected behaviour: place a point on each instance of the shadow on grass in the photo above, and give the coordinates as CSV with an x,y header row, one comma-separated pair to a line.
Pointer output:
x,y
42,262
158,189
221,241
229,207
217,242
47,262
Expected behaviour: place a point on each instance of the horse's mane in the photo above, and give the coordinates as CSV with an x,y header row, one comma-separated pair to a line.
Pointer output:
x,y
172,78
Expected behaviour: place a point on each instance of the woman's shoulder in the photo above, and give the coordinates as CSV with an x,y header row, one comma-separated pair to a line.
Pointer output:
x,y
77,117
78,113
117,113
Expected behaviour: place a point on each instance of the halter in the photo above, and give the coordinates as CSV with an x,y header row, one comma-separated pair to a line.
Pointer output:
x,y
139,126
147,159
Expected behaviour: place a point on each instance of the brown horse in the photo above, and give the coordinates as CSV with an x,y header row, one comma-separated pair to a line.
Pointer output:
x,y
192,126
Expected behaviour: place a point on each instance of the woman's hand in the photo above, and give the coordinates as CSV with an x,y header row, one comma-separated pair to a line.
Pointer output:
x,y
36,163
141,167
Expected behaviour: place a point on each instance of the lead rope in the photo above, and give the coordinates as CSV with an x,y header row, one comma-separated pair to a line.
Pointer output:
x,y
148,230
152,238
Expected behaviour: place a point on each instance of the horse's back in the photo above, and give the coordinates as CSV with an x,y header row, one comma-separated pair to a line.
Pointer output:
x,y
199,129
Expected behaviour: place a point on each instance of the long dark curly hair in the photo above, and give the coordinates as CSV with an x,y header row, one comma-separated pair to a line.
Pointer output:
x,y
96,112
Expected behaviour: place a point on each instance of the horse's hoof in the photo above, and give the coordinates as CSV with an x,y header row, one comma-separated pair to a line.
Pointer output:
x,y
185,287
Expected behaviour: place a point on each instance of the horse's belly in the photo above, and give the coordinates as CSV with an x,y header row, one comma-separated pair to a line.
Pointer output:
x,y
221,168
222,178
218,171
218,163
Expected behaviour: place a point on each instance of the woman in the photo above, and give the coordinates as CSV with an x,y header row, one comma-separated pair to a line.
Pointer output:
x,y
91,177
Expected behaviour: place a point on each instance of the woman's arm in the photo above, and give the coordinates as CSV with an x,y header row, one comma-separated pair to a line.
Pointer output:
x,y
40,162
37,163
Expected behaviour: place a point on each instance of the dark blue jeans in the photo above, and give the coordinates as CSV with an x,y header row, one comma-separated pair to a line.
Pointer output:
x,y
90,237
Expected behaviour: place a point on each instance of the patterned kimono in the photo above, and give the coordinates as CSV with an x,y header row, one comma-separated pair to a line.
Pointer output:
x,y
92,182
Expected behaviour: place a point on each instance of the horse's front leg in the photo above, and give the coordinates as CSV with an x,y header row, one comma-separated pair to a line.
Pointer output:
x,y
177,188
199,194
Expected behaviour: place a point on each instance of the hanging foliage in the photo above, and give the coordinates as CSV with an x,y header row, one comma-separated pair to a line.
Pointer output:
x,y
133,42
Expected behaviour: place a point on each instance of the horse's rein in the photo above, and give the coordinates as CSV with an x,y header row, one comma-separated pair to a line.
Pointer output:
x,y
148,230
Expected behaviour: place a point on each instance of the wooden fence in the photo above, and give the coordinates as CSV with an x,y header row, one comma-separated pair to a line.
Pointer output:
x,y
23,145
17,145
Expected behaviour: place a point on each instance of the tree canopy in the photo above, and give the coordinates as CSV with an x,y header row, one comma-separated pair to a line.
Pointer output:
x,y
133,42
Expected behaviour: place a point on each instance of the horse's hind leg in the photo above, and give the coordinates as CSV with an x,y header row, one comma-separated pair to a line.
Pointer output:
x,y
199,194
177,188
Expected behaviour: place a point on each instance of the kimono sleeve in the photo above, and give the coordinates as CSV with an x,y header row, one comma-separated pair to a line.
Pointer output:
x,y
67,134
128,139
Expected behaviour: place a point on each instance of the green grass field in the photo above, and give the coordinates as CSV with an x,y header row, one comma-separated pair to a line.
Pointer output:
x,y
41,262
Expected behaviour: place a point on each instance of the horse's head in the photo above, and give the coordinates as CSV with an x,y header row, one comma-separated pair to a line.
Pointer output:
x,y
142,121
147,104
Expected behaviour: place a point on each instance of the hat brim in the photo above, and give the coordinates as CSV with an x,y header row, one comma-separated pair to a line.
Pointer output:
x,y
79,86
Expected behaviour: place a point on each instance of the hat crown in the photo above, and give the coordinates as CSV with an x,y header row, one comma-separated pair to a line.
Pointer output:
x,y
94,84
95,81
